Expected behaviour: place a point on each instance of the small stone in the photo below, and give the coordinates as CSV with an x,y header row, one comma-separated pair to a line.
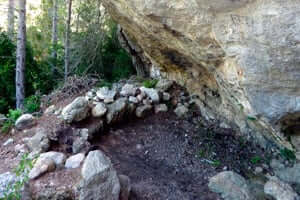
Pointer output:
x,y
99,110
276,164
39,142
42,166
141,96
230,185
78,145
160,108
50,110
8,142
152,93
58,158
147,101
25,121
141,111
116,110
106,95
181,111
74,161
258,170
166,96
20,148
128,90
133,100
280,190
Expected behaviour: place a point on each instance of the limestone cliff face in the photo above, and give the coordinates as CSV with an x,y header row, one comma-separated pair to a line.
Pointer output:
x,y
242,57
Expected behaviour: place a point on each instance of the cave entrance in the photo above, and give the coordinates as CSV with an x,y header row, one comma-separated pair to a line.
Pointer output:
x,y
290,126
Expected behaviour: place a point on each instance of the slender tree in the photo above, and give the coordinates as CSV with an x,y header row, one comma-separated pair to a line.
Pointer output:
x,y
54,35
67,40
11,18
20,63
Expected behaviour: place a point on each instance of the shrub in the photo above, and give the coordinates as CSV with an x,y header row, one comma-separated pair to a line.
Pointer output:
x,y
12,117
255,160
13,192
150,83
287,154
32,104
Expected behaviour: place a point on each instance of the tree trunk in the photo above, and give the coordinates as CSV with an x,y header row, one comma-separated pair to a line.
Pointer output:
x,y
11,19
54,36
21,48
67,42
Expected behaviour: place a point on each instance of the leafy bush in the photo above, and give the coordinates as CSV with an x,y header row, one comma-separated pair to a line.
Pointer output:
x,y
13,192
12,117
255,160
287,154
37,75
150,83
32,103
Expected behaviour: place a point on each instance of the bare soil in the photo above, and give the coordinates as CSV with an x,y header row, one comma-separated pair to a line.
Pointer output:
x,y
164,156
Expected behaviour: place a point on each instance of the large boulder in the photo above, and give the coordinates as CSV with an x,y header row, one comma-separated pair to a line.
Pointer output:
x,y
76,111
74,161
240,57
42,166
58,157
231,186
289,174
24,121
99,178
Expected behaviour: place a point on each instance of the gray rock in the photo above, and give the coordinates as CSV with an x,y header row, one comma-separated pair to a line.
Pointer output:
x,y
50,110
6,179
181,111
8,142
230,186
74,161
164,85
116,110
152,93
99,110
76,111
125,187
280,190
42,166
58,158
39,142
276,164
133,100
128,90
2,119
79,145
141,111
290,175
166,96
25,121
160,108
106,94
99,178
21,148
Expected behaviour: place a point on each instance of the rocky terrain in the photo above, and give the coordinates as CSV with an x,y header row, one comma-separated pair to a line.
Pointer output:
x,y
135,142
240,57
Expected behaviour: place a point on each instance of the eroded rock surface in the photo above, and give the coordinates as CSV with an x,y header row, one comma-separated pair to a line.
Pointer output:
x,y
240,57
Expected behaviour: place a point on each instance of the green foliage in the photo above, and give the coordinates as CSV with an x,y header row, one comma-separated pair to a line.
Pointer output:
x,y
32,104
287,154
251,118
255,160
13,192
12,117
150,83
36,74
216,163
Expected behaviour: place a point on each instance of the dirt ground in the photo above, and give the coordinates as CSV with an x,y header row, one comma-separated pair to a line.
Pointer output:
x,y
165,157
169,158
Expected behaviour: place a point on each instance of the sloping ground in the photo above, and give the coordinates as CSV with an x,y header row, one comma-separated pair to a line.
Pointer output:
x,y
164,156
170,158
